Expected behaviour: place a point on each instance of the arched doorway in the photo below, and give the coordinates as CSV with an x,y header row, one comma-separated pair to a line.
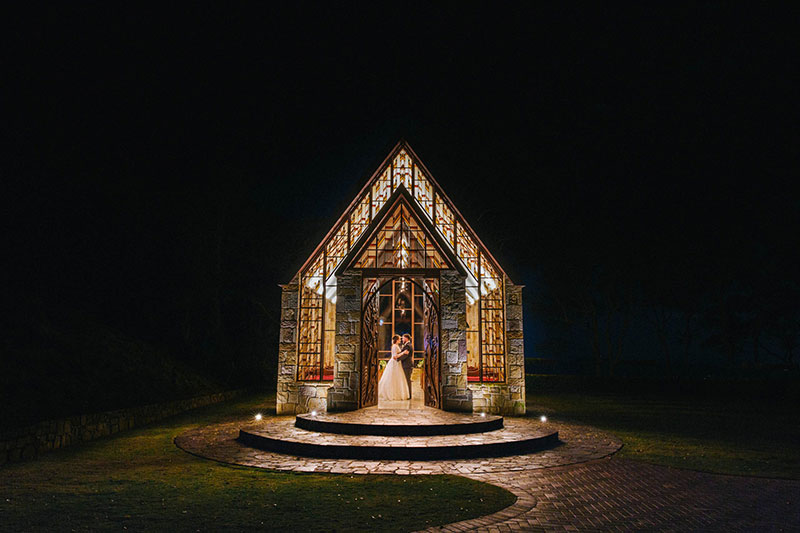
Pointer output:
x,y
397,305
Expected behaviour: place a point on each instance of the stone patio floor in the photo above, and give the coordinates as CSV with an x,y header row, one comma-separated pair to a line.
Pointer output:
x,y
577,486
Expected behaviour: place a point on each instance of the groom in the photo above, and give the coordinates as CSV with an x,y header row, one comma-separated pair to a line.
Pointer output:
x,y
406,358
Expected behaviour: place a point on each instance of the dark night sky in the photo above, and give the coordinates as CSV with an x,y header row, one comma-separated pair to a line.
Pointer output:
x,y
653,134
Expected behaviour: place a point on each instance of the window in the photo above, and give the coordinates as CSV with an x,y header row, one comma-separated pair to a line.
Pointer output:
x,y
359,219
381,190
401,243
485,325
309,341
445,222
316,341
402,171
423,192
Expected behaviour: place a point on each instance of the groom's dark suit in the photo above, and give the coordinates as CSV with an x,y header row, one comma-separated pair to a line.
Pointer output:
x,y
407,360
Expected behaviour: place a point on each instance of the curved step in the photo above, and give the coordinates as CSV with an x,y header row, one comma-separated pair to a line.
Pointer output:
x,y
284,437
401,423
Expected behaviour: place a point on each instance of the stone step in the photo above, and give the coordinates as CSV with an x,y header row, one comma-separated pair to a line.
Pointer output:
x,y
399,423
520,436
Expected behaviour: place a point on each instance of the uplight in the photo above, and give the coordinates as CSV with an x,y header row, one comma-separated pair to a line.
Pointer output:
x,y
483,415
258,416
543,418
313,413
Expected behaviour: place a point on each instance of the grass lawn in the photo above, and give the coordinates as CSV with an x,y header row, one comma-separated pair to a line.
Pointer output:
x,y
731,436
140,481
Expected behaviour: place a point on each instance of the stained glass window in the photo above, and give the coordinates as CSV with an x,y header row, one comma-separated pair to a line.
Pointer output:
x,y
445,221
359,219
402,171
381,190
466,250
401,243
336,249
423,191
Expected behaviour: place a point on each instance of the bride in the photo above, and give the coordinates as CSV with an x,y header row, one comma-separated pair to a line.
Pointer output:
x,y
393,384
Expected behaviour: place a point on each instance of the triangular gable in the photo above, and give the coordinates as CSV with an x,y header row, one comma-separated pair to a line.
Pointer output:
x,y
401,238
403,174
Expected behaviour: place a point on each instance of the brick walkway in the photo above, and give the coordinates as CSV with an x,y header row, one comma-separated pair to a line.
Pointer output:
x,y
621,495
578,486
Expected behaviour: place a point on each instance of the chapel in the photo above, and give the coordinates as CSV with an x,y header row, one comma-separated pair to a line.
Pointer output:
x,y
401,260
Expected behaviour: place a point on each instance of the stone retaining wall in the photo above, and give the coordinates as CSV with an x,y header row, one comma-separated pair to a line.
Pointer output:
x,y
30,441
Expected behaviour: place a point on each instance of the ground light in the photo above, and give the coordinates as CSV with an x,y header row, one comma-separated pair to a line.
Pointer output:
x,y
258,416
543,418
313,413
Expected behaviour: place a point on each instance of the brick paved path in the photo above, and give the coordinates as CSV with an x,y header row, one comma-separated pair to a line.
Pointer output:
x,y
622,495
566,489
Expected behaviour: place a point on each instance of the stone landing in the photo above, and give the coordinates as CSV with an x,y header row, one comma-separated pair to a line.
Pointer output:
x,y
414,435
423,421
219,442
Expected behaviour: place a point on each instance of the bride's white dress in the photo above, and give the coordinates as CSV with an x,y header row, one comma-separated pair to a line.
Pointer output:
x,y
393,384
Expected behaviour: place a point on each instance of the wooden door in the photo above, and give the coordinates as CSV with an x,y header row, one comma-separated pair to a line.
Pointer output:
x,y
433,363
369,350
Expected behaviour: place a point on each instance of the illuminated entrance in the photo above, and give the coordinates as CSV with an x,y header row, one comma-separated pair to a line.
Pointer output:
x,y
399,306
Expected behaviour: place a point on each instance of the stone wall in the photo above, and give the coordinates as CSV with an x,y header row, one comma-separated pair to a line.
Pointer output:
x,y
288,393
507,398
343,396
515,347
456,396
311,397
31,441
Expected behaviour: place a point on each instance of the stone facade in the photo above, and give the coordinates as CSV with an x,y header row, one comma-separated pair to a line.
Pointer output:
x,y
288,396
31,441
343,396
456,396
507,398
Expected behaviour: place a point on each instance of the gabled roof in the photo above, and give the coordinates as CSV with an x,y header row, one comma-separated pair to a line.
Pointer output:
x,y
402,177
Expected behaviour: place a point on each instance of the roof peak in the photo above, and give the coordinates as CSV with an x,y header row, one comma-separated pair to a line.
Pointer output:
x,y
402,169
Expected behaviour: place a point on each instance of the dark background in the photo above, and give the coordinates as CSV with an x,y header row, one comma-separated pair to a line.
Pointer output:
x,y
165,169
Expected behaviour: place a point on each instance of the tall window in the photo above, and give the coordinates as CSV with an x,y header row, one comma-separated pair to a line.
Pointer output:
x,y
309,342
485,324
